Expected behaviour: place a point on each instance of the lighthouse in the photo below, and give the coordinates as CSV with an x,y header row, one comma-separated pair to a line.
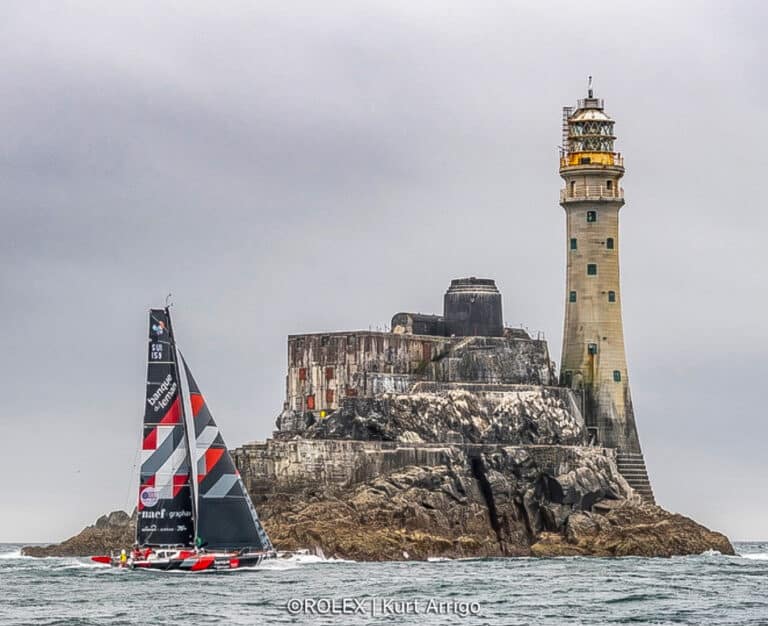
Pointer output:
x,y
594,363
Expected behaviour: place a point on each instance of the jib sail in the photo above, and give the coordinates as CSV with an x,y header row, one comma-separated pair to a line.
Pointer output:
x,y
226,517
165,515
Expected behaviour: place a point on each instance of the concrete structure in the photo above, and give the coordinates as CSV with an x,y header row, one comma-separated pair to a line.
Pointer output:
x,y
594,363
473,308
324,369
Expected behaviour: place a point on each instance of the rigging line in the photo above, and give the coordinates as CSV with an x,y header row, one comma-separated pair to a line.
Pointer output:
x,y
132,477
189,432
134,473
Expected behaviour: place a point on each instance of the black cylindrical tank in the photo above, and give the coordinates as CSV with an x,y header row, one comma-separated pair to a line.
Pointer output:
x,y
472,307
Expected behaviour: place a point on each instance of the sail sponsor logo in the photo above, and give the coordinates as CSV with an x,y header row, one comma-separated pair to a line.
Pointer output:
x,y
159,328
149,497
154,528
163,513
163,394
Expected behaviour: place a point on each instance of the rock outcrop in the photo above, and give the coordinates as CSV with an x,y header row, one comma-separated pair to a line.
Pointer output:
x,y
503,502
514,414
630,530
467,501
448,469
110,532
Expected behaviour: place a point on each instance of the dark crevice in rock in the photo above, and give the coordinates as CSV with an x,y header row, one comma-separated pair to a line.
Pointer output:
x,y
523,515
479,473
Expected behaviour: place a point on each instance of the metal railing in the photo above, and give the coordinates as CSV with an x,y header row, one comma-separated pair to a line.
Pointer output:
x,y
572,159
589,192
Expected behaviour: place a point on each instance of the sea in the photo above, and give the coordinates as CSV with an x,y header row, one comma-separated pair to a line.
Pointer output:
x,y
709,588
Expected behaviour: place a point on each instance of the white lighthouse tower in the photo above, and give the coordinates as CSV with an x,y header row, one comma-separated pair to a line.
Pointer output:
x,y
594,362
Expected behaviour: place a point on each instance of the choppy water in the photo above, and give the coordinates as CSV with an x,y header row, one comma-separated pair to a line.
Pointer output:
x,y
701,590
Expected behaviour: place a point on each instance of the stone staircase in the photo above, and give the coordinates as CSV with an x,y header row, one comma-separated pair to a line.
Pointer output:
x,y
632,467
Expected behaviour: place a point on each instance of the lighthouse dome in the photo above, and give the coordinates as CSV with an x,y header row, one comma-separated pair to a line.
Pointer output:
x,y
590,115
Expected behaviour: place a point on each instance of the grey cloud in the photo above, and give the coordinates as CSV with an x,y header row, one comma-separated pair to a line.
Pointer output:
x,y
286,169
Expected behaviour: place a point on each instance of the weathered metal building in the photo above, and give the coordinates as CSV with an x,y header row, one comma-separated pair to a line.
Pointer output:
x,y
468,343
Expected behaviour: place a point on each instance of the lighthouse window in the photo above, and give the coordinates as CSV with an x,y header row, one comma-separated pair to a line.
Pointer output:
x,y
592,348
591,216
617,376
609,243
572,297
611,296
592,269
573,244
609,184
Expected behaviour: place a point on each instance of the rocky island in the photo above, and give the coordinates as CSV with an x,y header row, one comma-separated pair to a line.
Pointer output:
x,y
409,446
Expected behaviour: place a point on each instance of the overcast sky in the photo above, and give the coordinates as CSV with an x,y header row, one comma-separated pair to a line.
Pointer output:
x,y
289,167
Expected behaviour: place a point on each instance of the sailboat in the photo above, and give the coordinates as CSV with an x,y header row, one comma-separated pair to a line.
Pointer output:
x,y
193,510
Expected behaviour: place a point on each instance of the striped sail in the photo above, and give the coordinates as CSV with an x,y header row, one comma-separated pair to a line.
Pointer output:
x,y
226,517
165,515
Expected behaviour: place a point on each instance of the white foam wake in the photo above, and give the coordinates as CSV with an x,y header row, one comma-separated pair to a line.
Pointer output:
x,y
756,556
296,559
15,554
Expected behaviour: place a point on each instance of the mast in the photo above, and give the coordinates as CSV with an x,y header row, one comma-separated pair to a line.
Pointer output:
x,y
184,398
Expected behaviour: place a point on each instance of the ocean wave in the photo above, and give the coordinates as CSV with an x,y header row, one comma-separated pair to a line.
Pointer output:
x,y
755,556
78,564
15,554
309,558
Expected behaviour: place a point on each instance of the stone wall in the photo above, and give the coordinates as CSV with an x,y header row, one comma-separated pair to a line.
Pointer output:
x,y
283,467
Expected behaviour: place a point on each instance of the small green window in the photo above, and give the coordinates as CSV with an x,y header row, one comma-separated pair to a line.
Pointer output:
x,y
591,216
572,297
574,244
611,296
609,243
617,376
592,269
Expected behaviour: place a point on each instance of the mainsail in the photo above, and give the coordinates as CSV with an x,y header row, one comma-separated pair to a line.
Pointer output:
x,y
165,515
226,517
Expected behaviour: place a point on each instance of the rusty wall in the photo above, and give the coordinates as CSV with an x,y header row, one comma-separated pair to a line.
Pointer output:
x,y
323,369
